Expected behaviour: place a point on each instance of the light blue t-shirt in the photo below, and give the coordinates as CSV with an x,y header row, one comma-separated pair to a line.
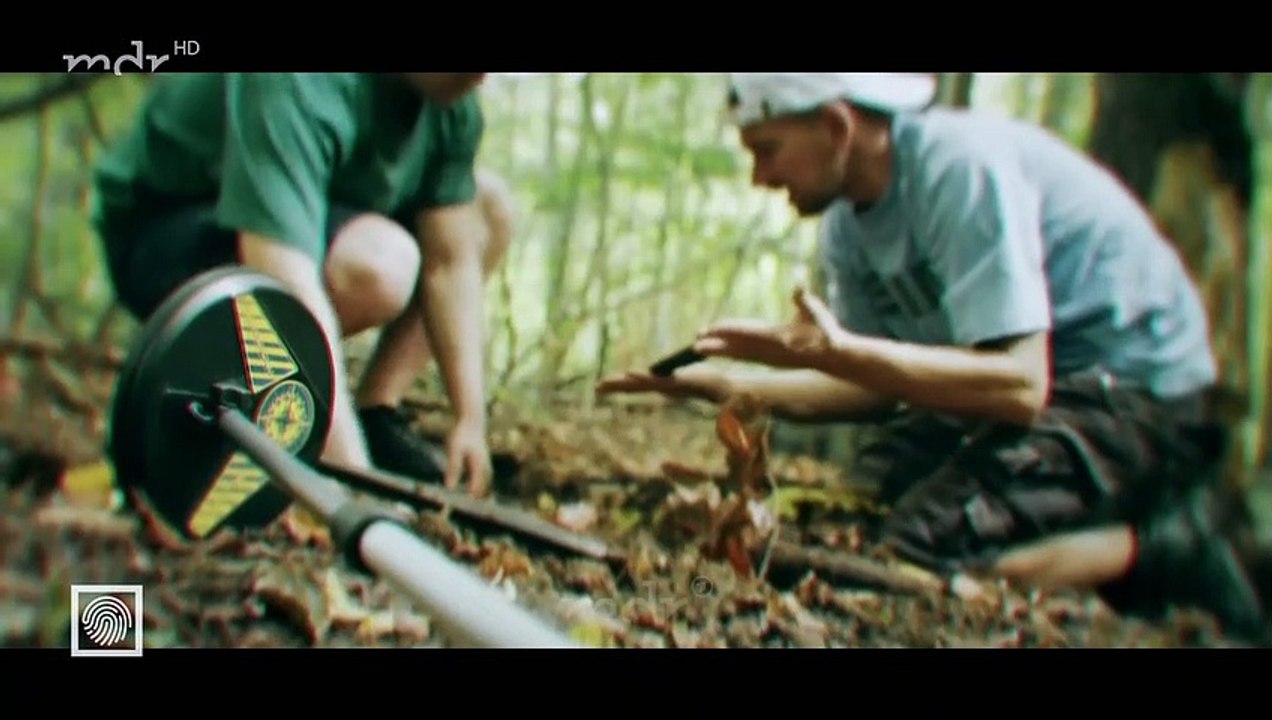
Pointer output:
x,y
992,228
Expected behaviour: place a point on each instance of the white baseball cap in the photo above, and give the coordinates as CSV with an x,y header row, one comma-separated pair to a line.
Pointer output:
x,y
758,96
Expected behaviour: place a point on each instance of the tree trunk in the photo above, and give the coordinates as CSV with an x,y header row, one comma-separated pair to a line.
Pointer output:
x,y
1061,90
556,341
662,334
1021,95
1181,142
955,89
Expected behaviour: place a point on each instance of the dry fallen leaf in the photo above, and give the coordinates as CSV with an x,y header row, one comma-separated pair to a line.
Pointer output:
x,y
1012,638
731,535
731,527
743,426
1063,609
812,591
1015,609
579,516
611,455
682,636
1048,633
589,576
502,561
966,588
344,610
644,563
304,528
554,442
686,514
85,521
760,514
91,485
800,624
834,500
682,473
590,623
16,587
591,635
866,606
745,631
731,433
984,605
375,626
807,470
645,615
546,504
157,530
928,581
856,537
297,591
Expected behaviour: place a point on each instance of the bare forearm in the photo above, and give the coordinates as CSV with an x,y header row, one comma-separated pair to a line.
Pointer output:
x,y
989,384
798,395
345,444
452,292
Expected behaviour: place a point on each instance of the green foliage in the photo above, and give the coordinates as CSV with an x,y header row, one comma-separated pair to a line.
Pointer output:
x,y
52,156
1260,287
649,171
714,162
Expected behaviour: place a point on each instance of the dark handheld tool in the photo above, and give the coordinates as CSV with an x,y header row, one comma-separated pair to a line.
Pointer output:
x,y
220,414
675,361
526,524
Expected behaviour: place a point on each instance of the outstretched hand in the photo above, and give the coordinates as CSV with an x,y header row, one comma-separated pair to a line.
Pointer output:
x,y
639,382
808,341
673,386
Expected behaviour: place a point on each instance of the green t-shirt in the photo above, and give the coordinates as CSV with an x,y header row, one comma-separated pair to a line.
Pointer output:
x,y
273,152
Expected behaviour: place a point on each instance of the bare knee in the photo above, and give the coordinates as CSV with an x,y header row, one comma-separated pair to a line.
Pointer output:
x,y
498,208
371,272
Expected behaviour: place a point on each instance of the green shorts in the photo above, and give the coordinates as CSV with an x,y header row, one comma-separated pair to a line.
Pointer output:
x,y
149,259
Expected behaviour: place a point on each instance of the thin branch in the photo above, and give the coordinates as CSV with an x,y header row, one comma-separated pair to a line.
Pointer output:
x,y
777,518
92,116
751,242
72,353
855,568
64,394
52,312
30,285
44,96
510,325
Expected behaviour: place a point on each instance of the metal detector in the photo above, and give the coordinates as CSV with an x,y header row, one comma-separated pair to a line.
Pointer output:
x,y
219,416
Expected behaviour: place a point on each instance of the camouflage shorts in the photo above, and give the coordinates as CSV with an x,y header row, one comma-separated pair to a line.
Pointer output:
x,y
960,493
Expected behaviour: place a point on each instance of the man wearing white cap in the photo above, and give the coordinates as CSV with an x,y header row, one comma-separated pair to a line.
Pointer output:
x,y
1037,347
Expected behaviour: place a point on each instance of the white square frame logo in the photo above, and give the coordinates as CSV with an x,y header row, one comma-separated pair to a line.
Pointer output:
x,y
108,616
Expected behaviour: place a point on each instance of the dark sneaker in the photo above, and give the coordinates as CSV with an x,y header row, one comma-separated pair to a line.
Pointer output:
x,y
397,448
1185,561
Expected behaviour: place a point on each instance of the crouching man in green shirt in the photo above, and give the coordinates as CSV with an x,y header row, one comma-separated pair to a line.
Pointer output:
x,y
359,192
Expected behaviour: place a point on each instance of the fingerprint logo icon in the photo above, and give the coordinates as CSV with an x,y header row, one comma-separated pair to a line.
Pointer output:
x,y
107,620
104,618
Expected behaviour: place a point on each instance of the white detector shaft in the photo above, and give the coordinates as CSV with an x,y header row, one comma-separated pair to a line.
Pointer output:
x,y
469,611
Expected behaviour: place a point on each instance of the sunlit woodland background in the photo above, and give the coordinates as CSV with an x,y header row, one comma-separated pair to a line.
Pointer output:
x,y
637,222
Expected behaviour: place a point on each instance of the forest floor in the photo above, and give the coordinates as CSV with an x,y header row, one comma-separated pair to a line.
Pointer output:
x,y
649,479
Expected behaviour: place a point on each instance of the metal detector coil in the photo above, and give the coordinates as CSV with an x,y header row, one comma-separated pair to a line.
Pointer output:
x,y
231,337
